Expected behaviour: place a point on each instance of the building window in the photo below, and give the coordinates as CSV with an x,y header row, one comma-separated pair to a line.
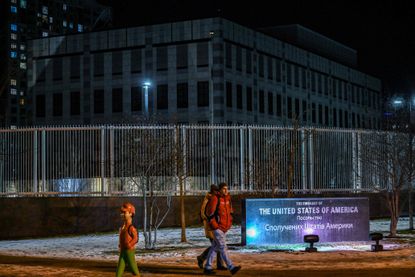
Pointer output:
x,y
75,67
98,64
13,27
40,106
261,65
57,69
13,9
202,54
228,55
75,103
249,99
239,97
270,103
181,56
13,46
279,105
117,100
64,23
80,28
297,76
313,113
136,99
270,69
23,4
13,1
162,58
162,97
239,59
13,36
261,101
44,10
23,57
50,19
99,101
23,66
117,63
13,91
182,95
136,61
289,74
289,108
320,114
203,94
71,25
278,70
45,34
229,94
13,82
13,54
64,7
57,104
248,62
297,108
304,110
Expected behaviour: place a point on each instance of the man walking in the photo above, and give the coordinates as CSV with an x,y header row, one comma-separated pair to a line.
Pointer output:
x,y
219,212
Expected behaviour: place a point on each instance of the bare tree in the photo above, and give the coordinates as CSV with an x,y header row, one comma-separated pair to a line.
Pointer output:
x,y
151,172
390,167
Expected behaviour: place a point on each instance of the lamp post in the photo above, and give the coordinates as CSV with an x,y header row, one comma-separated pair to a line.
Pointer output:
x,y
145,86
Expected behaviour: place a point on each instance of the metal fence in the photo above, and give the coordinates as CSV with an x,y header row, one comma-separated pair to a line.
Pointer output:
x,y
116,160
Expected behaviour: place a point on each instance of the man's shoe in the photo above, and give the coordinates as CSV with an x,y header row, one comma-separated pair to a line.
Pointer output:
x,y
221,267
208,271
200,262
235,269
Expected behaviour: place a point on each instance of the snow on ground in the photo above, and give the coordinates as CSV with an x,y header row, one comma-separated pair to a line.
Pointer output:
x,y
104,246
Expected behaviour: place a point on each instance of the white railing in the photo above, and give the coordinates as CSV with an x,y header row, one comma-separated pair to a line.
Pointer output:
x,y
116,160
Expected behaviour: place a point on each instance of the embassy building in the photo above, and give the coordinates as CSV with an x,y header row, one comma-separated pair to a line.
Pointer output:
x,y
207,71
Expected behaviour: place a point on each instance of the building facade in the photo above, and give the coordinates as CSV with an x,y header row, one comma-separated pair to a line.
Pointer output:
x,y
200,71
23,20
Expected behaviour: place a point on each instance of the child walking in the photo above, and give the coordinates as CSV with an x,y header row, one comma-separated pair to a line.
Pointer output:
x,y
128,239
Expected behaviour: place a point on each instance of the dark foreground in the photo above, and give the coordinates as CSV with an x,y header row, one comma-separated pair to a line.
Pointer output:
x,y
41,266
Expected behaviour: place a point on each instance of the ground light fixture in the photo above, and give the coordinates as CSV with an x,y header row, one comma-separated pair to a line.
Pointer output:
x,y
376,237
311,239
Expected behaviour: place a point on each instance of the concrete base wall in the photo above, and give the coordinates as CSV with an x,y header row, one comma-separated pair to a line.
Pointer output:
x,y
53,216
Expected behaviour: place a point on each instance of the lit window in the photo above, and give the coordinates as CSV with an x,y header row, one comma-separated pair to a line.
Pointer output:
x,y
13,27
23,57
13,91
23,65
64,7
64,23
13,82
80,28
21,100
39,15
21,93
13,54
13,36
13,46
50,19
13,1
44,10
45,34
22,47
13,9
23,4
71,25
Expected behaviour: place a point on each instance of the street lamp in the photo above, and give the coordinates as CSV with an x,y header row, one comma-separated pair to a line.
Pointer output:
x,y
146,85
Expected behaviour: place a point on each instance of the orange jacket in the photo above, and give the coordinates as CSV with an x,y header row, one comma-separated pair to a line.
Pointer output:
x,y
128,237
220,214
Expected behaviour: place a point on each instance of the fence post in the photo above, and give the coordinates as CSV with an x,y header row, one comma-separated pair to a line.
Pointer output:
x,y
43,147
356,159
250,159
303,160
112,162
242,158
34,164
102,161
311,158
184,156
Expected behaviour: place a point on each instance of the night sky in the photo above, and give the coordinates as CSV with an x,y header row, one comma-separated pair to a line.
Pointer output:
x,y
383,32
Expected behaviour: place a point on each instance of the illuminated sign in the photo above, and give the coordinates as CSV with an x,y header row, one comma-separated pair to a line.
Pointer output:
x,y
280,221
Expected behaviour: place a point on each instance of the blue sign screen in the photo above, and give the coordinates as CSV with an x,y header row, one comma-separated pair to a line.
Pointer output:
x,y
279,221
